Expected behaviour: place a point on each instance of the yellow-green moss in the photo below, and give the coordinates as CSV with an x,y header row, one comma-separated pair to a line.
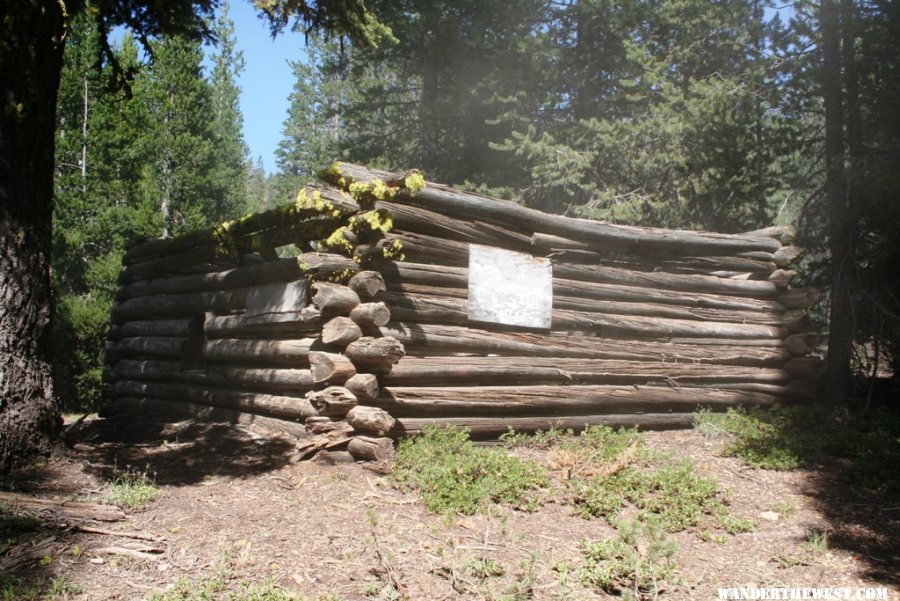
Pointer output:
x,y
394,251
339,242
332,174
414,182
378,220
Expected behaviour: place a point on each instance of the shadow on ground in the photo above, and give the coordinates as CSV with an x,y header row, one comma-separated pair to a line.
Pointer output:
x,y
179,453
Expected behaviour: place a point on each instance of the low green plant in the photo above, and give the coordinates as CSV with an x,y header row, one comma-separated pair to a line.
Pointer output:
x,y
14,523
484,568
637,564
454,476
132,490
13,588
818,542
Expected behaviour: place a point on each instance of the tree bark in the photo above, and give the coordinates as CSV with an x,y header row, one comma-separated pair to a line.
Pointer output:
x,y
31,61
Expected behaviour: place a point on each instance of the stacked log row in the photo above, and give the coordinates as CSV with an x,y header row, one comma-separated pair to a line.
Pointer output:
x,y
647,324
372,339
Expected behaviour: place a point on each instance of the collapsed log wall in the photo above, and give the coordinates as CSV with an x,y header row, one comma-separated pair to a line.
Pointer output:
x,y
372,333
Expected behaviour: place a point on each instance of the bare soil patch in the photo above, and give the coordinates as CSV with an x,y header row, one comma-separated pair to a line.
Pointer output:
x,y
230,497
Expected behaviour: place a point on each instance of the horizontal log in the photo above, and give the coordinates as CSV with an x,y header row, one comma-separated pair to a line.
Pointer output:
x,y
783,233
161,408
149,347
334,401
370,420
330,367
429,339
492,427
559,400
443,199
294,353
443,310
248,402
481,371
228,376
158,327
371,314
376,355
180,305
334,299
176,263
366,448
307,265
290,325
400,274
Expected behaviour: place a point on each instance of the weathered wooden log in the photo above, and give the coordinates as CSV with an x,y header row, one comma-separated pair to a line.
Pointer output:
x,y
334,401
376,355
334,299
318,201
364,386
249,402
442,199
796,320
330,367
786,255
370,420
160,346
325,425
340,331
480,371
179,305
552,400
279,380
602,319
159,327
783,233
307,265
782,277
367,284
429,339
173,264
805,368
371,314
294,353
366,448
73,510
292,325
404,274
800,298
801,344
161,408
490,427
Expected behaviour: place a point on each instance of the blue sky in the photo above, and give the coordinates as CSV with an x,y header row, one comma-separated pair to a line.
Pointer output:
x,y
266,81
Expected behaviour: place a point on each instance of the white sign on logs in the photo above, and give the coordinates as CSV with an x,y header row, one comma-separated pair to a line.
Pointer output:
x,y
509,287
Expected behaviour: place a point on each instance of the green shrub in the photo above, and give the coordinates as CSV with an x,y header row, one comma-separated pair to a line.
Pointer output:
x,y
455,476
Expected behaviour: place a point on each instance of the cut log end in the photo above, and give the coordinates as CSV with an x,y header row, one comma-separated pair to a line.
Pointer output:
x,y
370,420
367,284
340,331
367,448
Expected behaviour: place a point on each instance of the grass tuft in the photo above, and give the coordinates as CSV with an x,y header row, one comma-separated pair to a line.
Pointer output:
x,y
133,490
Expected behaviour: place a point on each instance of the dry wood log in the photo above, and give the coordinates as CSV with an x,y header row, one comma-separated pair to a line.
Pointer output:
x,y
247,402
330,367
366,448
159,327
70,509
161,346
376,355
371,314
334,401
403,274
800,298
556,400
805,368
180,305
324,425
782,277
445,200
364,386
340,331
288,216
801,344
491,427
464,371
431,339
786,255
279,380
173,264
334,299
307,265
796,320
16,559
294,353
370,420
606,318
783,233
290,325
367,284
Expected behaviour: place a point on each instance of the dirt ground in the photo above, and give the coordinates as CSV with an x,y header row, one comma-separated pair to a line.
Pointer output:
x,y
230,496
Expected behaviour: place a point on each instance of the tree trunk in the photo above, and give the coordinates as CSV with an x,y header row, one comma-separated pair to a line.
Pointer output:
x,y
31,61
